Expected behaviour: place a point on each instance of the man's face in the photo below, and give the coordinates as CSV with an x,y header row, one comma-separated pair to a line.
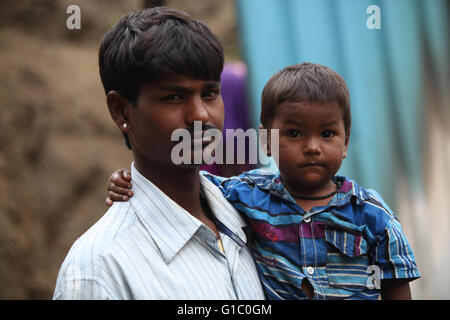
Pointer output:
x,y
167,105
312,143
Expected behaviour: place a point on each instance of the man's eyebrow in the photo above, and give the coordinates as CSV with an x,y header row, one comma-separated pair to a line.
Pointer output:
x,y
211,85
175,88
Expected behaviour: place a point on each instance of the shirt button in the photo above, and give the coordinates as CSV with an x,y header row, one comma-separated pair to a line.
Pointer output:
x,y
307,220
310,270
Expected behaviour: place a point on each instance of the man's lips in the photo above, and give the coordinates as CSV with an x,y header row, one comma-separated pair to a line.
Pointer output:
x,y
198,138
201,140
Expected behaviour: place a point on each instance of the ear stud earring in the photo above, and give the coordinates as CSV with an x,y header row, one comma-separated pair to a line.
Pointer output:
x,y
124,125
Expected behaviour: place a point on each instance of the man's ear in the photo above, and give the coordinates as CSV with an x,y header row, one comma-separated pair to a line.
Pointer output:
x,y
264,139
118,108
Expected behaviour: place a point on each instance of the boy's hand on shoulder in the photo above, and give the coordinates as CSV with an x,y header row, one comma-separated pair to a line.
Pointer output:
x,y
395,289
119,186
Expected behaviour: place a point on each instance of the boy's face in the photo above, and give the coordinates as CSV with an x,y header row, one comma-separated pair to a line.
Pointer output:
x,y
170,104
312,144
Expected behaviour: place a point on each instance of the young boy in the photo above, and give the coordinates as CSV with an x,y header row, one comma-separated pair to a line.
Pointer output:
x,y
316,235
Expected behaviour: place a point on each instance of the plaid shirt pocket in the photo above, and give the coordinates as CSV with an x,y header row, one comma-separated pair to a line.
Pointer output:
x,y
347,260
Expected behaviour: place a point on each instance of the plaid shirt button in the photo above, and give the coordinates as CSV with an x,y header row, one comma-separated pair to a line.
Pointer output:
x,y
310,270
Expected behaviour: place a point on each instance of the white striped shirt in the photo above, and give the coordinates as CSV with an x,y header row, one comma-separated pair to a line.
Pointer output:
x,y
151,248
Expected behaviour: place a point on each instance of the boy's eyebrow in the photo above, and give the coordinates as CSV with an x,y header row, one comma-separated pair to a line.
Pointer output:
x,y
329,123
325,124
292,121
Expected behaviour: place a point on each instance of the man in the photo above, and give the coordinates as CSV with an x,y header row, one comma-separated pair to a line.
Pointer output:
x,y
177,238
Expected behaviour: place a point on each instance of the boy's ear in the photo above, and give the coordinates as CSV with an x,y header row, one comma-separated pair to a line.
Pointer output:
x,y
347,139
118,108
265,141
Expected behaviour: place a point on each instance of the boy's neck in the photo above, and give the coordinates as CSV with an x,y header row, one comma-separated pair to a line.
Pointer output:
x,y
309,204
299,193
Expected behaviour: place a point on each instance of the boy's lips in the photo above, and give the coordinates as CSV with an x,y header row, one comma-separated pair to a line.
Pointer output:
x,y
311,168
312,164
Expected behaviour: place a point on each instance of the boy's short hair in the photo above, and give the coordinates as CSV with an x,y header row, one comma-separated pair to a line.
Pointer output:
x,y
305,82
153,44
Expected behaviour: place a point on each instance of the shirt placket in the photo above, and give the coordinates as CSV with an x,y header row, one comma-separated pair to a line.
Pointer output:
x,y
212,243
309,252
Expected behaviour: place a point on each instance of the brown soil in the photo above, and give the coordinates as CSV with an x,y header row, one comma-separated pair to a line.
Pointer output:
x,y
58,145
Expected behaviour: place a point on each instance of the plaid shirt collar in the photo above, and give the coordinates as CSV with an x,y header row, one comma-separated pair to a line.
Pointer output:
x,y
349,189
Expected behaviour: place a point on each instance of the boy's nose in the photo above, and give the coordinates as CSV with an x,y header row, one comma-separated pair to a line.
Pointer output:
x,y
196,111
311,146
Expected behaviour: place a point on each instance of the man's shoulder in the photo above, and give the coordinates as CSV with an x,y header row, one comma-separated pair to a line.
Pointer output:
x,y
92,246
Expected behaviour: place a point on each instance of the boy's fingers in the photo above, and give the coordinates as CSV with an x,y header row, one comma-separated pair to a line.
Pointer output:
x,y
126,174
117,197
120,191
108,201
116,179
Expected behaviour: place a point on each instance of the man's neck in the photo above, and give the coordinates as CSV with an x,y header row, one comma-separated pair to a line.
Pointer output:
x,y
182,185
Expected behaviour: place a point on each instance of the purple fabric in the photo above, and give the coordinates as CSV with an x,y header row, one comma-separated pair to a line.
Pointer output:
x,y
234,95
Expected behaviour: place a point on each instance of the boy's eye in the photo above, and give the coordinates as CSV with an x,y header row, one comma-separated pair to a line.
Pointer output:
x,y
293,133
328,134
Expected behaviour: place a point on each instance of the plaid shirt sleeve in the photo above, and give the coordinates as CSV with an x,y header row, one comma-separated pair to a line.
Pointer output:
x,y
221,182
225,184
394,255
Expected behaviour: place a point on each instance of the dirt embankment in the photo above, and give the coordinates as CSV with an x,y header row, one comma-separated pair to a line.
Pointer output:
x,y
58,144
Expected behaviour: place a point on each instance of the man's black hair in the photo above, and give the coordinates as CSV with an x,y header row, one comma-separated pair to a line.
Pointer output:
x,y
153,44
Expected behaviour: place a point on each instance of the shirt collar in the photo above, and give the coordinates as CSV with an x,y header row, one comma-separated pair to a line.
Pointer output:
x,y
222,208
349,189
171,226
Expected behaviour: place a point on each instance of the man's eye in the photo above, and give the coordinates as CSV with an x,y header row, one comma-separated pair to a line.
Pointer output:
x,y
211,93
173,97
293,133
328,134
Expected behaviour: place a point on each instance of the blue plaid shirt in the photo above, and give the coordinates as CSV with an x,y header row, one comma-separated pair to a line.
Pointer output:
x,y
344,248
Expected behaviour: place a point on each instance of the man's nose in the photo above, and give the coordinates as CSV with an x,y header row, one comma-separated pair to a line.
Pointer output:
x,y
196,110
